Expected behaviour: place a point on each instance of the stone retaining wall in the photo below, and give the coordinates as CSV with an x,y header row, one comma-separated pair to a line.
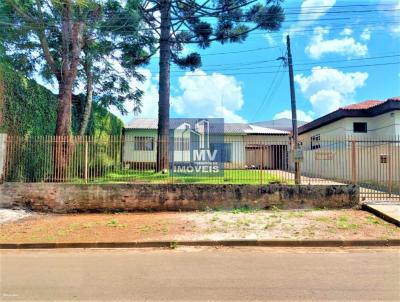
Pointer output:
x,y
69,198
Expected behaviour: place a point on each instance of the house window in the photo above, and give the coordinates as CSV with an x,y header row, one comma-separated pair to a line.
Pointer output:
x,y
360,127
144,143
315,142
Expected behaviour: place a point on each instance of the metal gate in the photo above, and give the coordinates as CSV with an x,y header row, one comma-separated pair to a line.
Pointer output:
x,y
378,169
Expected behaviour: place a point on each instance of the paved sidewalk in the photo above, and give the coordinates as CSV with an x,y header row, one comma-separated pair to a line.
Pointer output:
x,y
389,211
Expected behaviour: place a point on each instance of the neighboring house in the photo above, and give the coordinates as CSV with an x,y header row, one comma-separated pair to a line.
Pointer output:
x,y
359,142
243,145
284,124
369,119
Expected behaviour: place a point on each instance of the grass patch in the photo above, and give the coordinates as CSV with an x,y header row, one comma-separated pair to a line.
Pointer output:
x,y
323,219
114,223
149,176
373,220
343,223
244,209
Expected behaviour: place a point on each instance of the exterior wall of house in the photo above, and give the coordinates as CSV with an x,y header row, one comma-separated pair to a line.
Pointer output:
x,y
238,156
334,158
237,147
384,125
132,155
336,163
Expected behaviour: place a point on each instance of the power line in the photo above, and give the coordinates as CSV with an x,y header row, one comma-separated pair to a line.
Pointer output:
x,y
300,70
121,18
266,96
297,64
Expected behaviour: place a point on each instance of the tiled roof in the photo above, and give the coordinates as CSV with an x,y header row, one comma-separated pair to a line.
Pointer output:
x,y
368,108
229,128
362,105
284,124
263,130
396,99
142,123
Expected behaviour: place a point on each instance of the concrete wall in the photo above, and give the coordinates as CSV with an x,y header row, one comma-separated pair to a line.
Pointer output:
x,y
3,138
335,163
65,198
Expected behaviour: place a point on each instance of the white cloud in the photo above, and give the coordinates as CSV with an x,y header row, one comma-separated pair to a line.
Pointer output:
x,y
346,32
366,34
346,46
328,89
390,10
270,40
213,95
309,14
149,99
301,115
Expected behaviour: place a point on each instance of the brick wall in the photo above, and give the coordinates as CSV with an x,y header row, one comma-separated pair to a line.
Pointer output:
x,y
67,198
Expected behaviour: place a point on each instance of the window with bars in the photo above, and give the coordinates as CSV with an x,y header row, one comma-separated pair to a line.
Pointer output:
x,y
144,143
315,142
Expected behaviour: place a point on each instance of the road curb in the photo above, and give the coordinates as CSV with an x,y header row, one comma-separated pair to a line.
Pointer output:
x,y
380,214
208,243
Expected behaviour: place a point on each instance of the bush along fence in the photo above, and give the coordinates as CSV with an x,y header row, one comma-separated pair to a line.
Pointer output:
x,y
372,164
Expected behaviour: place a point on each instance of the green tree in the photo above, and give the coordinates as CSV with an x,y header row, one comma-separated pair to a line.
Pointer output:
x,y
113,49
66,39
179,22
59,37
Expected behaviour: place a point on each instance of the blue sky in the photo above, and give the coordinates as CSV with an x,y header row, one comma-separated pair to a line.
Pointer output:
x,y
240,82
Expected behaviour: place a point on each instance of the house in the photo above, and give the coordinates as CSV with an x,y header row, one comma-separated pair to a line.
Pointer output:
x,y
284,124
242,145
365,134
372,119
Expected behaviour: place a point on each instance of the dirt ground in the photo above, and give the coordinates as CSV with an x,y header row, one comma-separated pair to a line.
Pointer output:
x,y
214,225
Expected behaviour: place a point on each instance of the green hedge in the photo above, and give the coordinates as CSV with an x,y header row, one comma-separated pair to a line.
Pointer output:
x,y
30,109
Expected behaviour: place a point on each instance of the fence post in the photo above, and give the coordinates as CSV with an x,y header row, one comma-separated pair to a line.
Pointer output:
x,y
3,145
353,163
86,158
390,163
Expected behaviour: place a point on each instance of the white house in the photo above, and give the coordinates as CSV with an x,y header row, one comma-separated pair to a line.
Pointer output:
x,y
370,119
359,143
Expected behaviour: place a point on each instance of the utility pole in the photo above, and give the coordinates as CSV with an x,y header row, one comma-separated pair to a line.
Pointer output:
x,y
295,134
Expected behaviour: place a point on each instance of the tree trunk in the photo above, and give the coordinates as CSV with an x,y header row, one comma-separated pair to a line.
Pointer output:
x,y
63,125
164,87
89,99
61,144
71,33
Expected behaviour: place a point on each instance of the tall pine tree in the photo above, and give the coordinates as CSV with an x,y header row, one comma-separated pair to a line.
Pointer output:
x,y
176,23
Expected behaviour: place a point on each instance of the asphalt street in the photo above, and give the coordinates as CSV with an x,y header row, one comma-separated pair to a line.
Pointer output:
x,y
201,275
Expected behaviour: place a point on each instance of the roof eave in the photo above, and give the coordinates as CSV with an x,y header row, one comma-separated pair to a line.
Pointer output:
x,y
389,105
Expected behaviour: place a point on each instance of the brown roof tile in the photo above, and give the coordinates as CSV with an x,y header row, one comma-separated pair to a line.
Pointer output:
x,y
362,105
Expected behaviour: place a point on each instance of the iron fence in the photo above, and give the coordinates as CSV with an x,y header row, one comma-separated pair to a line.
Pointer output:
x,y
372,164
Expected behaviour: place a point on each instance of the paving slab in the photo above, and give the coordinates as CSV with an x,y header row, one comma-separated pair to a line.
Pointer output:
x,y
389,211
